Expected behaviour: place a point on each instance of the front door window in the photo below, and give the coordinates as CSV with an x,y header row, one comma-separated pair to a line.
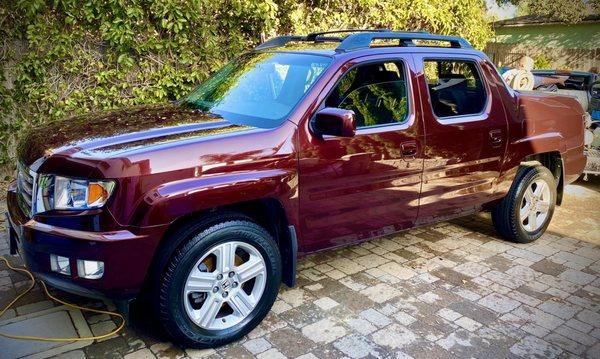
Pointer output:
x,y
376,93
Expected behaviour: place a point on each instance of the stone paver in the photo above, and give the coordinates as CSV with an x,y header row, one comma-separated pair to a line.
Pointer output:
x,y
394,337
453,289
356,346
258,345
499,303
323,331
326,303
141,354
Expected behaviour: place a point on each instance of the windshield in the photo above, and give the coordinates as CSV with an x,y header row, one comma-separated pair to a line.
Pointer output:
x,y
259,89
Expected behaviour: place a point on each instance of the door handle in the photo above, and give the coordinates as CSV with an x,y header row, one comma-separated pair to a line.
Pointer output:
x,y
496,137
409,148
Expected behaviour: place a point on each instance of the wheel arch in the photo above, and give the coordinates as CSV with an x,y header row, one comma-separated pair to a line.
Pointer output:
x,y
267,212
552,161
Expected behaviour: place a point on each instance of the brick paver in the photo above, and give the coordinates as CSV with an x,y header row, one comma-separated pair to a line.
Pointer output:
x,y
448,290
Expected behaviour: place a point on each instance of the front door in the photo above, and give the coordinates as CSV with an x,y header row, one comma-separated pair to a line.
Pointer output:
x,y
351,189
465,136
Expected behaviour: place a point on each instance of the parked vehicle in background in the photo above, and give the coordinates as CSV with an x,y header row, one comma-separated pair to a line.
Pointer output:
x,y
594,107
586,88
304,144
593,133
578,84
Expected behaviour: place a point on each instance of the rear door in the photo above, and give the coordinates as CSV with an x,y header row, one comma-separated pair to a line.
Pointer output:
x,y
465,135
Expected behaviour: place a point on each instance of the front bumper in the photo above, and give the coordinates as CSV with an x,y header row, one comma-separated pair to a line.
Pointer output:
x,y
126,252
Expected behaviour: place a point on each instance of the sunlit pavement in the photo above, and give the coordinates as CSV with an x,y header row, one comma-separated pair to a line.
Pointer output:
x,y
449,290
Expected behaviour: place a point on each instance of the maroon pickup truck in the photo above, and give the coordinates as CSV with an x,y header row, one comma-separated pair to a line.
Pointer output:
x,y
303,144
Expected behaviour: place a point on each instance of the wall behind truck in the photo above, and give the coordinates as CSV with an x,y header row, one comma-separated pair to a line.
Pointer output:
x,y
566,46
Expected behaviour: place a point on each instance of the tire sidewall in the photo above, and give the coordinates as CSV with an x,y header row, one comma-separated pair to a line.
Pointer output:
x,y
533,174
178,324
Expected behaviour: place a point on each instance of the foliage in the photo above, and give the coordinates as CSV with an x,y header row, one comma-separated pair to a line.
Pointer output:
x,y
542,62
465,18
63,57
563,10
570,11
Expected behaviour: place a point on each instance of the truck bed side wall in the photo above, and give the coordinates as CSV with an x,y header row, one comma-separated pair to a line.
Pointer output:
x,y
541,123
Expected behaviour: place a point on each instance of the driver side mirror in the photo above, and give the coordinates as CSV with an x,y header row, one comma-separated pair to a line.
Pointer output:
x,y
334,122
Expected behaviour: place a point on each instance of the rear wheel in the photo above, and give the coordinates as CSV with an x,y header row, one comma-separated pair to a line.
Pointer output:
x,y
220,284
526,211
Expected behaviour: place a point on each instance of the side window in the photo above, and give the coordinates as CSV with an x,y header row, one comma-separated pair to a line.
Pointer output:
x,y
455,87
376,92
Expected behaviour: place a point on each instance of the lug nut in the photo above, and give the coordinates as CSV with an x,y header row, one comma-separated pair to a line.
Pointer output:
x,y
231,274
220,276
235,284
215,289
225,294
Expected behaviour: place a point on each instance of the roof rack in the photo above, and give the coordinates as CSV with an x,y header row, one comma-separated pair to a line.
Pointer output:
x,y
363,38
313,36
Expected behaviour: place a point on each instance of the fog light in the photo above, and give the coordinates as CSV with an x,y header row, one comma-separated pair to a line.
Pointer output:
x,y
90,269
60,264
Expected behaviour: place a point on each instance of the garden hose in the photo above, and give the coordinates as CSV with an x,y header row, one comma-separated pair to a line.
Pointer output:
x,y
46,339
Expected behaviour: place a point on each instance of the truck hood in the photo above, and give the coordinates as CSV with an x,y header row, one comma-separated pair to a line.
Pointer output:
x,y
109,134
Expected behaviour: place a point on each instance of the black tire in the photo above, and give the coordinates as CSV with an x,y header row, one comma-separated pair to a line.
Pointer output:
x,y
171,311
505,215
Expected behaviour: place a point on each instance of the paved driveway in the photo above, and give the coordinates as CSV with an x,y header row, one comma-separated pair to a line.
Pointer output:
x,y
448,290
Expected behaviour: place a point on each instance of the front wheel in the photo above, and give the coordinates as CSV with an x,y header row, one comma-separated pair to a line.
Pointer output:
x,y
525,213
220,284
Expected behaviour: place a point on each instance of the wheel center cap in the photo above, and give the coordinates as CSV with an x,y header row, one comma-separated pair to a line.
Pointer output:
x,y
226,284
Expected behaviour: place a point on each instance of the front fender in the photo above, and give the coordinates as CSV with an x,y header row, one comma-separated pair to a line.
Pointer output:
x,y
169,201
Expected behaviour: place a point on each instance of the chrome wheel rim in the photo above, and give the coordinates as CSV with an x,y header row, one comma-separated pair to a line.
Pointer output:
x,y
225,285
535,206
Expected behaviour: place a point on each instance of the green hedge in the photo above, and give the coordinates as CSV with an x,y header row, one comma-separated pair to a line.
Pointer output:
x,y
63,57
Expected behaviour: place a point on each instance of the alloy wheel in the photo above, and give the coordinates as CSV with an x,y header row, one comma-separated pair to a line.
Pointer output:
x,y
535,205
225,285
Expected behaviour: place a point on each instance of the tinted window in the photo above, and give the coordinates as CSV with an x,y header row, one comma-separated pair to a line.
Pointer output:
x,y
375,92
259,89
455,87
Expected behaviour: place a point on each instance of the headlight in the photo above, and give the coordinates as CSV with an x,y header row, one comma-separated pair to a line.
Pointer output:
x,y
56,192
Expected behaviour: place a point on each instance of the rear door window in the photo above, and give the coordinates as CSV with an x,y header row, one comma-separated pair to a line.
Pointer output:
x,y
455,87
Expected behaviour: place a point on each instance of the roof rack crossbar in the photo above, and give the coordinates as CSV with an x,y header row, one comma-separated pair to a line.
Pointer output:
x,y
313,36
363,40
279,41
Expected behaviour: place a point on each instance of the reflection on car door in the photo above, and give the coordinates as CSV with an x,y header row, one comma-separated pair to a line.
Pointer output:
x,y
352,189
465,136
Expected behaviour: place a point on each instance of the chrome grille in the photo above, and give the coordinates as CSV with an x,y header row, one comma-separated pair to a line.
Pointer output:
x,y
25,188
